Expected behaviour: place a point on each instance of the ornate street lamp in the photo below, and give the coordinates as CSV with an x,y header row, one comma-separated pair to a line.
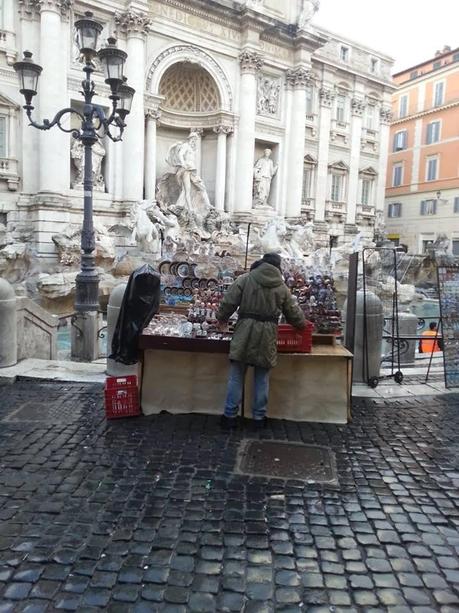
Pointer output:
x,y
92,119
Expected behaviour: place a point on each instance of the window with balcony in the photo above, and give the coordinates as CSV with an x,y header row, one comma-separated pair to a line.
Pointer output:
x,y
403,106
439,93
394,210
370,117
397,175
428,207
433,132
400,140
336,190
340,108
432,169
344,53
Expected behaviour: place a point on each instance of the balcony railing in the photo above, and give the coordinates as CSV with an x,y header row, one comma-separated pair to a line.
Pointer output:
x,y
367,210
9,173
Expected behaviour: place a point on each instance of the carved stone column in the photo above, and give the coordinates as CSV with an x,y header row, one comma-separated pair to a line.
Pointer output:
x,y
152,119
326,96
357,110
54,145
220,173
298,78
385,115
251,62
134,25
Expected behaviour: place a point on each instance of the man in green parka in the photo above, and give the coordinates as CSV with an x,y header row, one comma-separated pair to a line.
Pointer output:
x,y
261,296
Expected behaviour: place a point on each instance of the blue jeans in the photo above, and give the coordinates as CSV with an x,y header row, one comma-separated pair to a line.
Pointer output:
x,y
235,387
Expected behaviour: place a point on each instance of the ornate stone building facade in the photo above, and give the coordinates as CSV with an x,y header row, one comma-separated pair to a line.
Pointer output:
x,y
244,76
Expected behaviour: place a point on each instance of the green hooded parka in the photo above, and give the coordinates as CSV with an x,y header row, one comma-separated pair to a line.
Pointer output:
x,y
263,295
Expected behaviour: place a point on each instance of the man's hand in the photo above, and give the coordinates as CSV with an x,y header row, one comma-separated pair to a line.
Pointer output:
x,y
222,326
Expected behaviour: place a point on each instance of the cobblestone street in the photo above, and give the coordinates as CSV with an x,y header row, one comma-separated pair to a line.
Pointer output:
x,y
148,514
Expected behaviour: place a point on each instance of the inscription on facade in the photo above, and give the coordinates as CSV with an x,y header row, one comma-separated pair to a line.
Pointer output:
x,y
196,22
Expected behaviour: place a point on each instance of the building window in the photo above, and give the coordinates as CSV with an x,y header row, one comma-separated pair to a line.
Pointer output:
x,y
370,117
337,184
455,246
426,244
308,175
367,185
456,204
413,74
403,106
374,65
428,207
309,100
333,240
439,93
432,169
456,57
397,175
433,132
344,53
3,136
395,209
340,108
400,140
437,65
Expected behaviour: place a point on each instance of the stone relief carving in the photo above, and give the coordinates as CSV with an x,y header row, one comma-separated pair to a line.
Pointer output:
x,y
263,173
195,55
31,6
150,225
308,9
268,90
133,21
327,96
77,156
385,114
251,61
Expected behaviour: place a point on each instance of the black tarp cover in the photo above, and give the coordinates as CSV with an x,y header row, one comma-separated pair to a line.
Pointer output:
x,y
140,302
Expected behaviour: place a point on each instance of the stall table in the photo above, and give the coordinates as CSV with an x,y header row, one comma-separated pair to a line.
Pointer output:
x,y
189,375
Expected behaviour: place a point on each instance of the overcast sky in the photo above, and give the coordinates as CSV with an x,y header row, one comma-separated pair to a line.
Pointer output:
x,y
408,30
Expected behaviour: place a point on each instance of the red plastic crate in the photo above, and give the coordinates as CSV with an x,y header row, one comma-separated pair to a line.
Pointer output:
x,y
291,340
121,397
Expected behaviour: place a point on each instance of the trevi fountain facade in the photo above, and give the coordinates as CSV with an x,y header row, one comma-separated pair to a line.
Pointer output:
x,y
246,116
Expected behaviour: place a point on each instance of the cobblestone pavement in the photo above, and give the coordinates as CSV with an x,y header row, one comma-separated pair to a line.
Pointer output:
x,y
147,514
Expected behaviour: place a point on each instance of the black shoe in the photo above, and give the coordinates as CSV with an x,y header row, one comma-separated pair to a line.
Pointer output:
x,y
228,423
259,424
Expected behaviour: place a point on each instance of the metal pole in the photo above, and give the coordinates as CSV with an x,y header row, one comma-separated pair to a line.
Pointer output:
x,y
247,246
87,281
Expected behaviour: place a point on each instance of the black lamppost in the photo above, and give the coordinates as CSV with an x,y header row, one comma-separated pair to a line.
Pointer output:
x,y
92,119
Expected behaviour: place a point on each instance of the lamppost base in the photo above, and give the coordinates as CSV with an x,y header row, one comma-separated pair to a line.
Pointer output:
x,y
85,336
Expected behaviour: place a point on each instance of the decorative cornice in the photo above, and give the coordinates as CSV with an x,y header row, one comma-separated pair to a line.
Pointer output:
x,y
133,22
357,107
326,95
299,77
385,114
251,61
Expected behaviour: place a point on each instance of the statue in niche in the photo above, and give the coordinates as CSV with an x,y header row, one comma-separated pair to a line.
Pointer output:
x,y
268,96
263,174
182,157
77,156
308,9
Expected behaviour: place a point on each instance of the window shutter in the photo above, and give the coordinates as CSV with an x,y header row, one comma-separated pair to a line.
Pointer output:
x,y
405,139
434,207
423,207
2,137
429,133
456,204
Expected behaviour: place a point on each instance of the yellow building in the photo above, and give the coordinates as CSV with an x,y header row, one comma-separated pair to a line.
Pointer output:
x,y
422,188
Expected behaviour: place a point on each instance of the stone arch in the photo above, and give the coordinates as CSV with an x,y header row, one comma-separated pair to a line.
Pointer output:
x,y
190,53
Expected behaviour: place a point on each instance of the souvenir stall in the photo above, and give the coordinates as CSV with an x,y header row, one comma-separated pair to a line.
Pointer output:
x,y
185,356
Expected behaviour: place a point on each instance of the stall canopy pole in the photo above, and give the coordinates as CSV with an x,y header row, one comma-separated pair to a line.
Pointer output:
x,y
247,246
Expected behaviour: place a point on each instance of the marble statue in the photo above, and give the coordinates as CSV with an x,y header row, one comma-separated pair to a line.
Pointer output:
x,y
263,174
182,157
308,9
272,237
300,240
151,226
77,156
